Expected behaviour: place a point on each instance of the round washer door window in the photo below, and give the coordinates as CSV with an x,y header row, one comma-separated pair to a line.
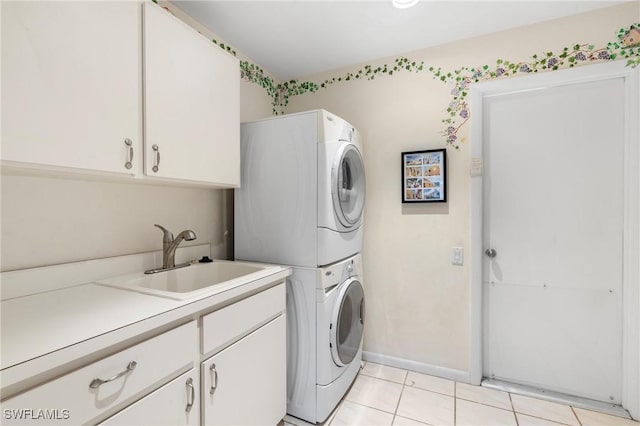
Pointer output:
x,y
348,186
347,323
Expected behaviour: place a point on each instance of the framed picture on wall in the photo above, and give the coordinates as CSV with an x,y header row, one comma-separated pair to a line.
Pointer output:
x,y
424,177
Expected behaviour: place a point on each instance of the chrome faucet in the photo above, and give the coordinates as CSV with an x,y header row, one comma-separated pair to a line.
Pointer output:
x,y
169,246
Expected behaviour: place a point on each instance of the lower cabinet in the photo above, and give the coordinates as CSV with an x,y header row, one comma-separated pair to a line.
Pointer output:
x,y
245,384
174,404
242,383
94,391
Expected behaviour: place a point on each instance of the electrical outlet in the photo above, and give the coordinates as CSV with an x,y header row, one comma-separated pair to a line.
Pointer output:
x,y
457,254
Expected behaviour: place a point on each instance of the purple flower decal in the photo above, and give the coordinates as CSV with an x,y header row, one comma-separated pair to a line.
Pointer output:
x,y
452,138
455,91
499,72
450,130
464,114
603,55
525,68
580,56
552,62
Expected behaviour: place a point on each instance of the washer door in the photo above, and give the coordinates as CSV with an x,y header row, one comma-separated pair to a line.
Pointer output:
x,y
347,322
348,185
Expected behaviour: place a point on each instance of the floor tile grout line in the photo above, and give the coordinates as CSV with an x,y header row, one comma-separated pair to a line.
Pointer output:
x,y
513,409
382,378
541,418
395,412
544,418
483,403
455,403
413,387
576,415
404,385
366,406
432,391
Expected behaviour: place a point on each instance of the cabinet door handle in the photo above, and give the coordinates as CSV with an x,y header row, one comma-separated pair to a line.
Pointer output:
x,y
156,164
214,378
129,162
95,383
191,394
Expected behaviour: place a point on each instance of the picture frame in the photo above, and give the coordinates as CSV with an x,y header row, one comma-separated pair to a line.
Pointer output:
x,y
424,176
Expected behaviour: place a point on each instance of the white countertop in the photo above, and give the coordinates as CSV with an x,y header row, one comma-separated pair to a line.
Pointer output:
x,y
48,330
36,325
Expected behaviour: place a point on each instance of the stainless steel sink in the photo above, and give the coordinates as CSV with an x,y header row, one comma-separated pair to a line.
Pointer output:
x,y
201,279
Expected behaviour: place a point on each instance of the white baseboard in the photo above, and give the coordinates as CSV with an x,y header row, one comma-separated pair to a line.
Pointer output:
x,y
419,367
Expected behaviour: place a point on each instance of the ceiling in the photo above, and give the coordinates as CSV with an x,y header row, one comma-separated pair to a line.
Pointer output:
x,y
291,39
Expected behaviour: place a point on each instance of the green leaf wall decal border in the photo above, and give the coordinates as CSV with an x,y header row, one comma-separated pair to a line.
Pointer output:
x,y
458,112
626,46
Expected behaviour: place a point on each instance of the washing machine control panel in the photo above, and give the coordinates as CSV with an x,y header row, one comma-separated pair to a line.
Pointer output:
x,y
337,273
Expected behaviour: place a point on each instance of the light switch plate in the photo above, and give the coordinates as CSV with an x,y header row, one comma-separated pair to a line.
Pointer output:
x,y
476,167
457,254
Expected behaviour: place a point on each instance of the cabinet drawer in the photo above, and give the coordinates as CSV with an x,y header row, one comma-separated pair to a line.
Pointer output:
x,y
176,403
222,327
72,396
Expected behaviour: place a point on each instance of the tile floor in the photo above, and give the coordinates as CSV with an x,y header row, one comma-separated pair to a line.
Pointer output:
x,y
383,395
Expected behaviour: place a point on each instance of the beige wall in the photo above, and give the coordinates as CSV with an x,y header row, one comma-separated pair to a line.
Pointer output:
x,y
47,221
417,302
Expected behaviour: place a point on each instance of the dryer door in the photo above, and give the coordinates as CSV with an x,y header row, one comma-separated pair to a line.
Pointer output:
x,y
347,322
348,185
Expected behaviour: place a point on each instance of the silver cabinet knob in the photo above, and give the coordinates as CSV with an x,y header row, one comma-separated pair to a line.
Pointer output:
x,y
491,253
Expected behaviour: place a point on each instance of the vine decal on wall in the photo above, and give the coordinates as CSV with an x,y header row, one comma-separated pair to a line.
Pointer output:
x,y
626,46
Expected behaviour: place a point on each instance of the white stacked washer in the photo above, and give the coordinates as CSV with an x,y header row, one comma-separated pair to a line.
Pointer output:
x,y
300,204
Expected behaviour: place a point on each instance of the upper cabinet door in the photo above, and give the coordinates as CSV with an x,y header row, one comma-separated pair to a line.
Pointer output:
x,y
192,104
71,85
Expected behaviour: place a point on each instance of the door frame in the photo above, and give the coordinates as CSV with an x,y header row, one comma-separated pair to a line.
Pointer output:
x,y
631,257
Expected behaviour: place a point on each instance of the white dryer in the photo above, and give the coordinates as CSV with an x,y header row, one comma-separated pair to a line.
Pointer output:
x,y
302,190
325,324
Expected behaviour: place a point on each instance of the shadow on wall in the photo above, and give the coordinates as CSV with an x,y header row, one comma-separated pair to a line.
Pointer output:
x,y
426,209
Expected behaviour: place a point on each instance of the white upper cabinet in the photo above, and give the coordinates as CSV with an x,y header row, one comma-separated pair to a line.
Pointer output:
x,y
71,85
81,79
192,104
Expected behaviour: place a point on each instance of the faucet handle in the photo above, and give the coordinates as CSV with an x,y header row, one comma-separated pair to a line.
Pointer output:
x,y
167,236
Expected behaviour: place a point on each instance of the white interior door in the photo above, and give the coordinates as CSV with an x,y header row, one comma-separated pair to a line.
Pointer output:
x,y
553,214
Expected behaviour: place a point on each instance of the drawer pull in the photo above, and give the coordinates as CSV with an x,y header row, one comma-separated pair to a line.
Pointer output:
x,y
191,396
129,162
95,383
156,165
214,378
